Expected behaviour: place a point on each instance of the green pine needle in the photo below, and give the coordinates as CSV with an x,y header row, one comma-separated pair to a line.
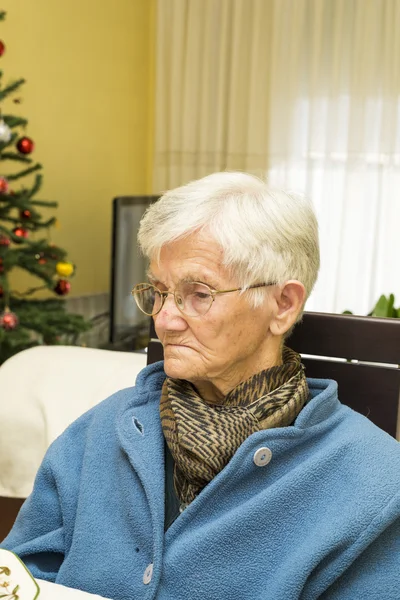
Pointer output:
x,y
15,176
15,156
36,186
12,87
48,203
13,121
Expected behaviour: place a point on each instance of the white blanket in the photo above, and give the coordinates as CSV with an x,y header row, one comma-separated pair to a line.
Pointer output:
x,y
42,391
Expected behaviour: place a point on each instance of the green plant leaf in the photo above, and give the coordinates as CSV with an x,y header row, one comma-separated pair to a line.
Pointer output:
x,y
381,307
390,305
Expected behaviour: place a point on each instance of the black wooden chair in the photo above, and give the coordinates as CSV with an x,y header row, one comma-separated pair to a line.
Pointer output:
x,y
361,353
9,508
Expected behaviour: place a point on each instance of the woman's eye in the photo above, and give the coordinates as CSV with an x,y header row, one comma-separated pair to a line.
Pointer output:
x,y
202,295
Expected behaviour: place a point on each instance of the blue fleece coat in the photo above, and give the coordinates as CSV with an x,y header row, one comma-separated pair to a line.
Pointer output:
x,y
319,520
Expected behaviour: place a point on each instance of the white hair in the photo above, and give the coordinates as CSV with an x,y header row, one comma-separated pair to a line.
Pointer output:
x,y
267,235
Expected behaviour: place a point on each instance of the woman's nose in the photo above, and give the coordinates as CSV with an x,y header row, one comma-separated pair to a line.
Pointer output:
x,y
170,317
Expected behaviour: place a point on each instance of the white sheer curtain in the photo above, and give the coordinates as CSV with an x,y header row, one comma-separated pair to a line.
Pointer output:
x,y
334,106
211,82
307,91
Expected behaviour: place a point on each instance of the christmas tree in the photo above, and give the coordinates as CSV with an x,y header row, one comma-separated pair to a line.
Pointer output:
x,y
26,320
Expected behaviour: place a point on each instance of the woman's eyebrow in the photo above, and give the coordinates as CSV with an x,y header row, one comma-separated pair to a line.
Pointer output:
x,y
189,278
154,280
199,278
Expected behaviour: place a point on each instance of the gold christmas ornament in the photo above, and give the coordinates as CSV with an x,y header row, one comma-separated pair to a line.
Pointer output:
x,y
64,269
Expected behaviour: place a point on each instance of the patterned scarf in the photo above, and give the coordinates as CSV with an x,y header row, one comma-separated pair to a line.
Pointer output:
x,y
203,437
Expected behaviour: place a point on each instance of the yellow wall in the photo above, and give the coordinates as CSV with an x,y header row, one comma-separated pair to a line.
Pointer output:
x,y
89,99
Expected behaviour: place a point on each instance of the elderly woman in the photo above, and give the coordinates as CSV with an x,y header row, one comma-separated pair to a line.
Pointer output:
x,y
224,473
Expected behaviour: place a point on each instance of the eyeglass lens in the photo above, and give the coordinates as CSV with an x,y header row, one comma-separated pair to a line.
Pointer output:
x,y
193,299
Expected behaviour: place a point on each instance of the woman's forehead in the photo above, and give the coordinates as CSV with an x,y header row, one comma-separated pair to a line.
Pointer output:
x,y
191,259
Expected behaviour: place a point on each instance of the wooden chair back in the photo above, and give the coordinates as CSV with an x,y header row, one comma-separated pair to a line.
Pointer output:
x,y
9,508
361,353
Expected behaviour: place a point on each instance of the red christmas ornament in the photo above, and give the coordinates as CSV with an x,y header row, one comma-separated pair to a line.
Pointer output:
x,y
2,48
8,320
3,185
42,261
25,145
21,233
62,288
4,241
25,214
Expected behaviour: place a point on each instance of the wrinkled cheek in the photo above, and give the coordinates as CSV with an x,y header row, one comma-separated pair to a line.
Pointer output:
x,y
236,335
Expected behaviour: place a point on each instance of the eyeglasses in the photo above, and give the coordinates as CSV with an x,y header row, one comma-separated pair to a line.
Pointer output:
x,y
192,298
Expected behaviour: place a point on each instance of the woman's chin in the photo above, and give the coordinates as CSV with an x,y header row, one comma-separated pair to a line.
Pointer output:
x,y
175,368
179,368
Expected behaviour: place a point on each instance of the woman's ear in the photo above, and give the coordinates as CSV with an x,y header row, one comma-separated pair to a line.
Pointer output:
x,y
289,302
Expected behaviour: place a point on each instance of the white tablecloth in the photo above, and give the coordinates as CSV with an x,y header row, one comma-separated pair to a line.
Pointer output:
x,y
54,591
17,581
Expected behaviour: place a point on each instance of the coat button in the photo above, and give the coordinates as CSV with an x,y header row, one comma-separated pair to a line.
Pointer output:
x,y
148,574
262,456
